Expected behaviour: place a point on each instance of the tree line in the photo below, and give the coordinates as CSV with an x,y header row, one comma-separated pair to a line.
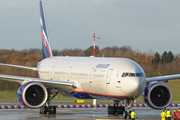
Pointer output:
x,y
153,63
165,58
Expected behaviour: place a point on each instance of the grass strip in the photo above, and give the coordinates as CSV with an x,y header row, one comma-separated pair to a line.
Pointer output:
x,y
11,96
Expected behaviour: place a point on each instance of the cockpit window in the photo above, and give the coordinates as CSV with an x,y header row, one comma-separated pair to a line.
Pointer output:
x,y
132,75
123,74
126,74
139,74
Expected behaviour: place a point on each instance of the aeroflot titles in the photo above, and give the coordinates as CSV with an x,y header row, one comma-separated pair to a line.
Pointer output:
x,y
102,66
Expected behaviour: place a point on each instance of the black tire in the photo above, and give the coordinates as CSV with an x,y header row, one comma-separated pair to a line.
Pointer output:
x,y
113,110
109,110
44,110
124,114
52,110
120,109
129,115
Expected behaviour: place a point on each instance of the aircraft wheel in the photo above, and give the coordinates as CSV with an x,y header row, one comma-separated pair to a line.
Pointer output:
x,y
111,110
120,109
52,110
43,110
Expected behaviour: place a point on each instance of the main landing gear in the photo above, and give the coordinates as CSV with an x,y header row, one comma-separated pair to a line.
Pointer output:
x,y
116,109
47,108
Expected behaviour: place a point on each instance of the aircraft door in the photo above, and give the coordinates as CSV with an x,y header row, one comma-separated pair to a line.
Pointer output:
x,y
69,73
52,73
91,75
108,77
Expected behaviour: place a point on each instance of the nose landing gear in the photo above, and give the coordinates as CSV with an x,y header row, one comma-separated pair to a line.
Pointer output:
x,y
116,109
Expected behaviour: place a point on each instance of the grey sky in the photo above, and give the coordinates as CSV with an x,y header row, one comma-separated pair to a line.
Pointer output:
x,y
141,24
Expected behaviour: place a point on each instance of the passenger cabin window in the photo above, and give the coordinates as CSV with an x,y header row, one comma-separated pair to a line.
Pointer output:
x,y
132,75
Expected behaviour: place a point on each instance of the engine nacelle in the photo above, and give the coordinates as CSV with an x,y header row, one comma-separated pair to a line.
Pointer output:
x,y
157,95
32,94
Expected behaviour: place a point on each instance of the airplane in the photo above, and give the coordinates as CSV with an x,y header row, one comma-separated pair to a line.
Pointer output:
x,y
117,79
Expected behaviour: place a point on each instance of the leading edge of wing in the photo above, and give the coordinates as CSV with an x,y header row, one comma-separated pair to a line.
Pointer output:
x,y
163,78
54,84
19,66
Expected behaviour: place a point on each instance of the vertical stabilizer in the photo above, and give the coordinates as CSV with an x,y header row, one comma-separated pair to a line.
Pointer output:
x,y
46,47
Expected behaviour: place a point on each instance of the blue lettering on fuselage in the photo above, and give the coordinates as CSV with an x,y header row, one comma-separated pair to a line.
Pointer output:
x,y
102,66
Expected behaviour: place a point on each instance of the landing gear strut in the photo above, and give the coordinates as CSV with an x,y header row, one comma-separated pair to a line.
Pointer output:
x,y
127,113
47,108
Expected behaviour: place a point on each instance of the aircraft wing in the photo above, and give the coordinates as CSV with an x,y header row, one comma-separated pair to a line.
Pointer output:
x,y
54,84
19,66
163,78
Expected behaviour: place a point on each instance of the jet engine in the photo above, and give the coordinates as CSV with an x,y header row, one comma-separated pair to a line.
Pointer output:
x,y
157,95
32,94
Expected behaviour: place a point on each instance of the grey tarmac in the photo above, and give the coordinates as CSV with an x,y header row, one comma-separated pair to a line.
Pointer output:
x,y
143,113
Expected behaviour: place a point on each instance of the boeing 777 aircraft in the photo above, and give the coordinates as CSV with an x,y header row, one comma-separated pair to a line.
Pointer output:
x,y
115,79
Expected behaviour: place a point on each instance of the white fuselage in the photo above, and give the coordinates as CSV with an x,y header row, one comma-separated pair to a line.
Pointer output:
x,y
99,77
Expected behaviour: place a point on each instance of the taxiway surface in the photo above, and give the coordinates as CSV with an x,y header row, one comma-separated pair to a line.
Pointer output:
x,y
143,113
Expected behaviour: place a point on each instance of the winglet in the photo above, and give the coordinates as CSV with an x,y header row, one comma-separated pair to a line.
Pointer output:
x,y
46,47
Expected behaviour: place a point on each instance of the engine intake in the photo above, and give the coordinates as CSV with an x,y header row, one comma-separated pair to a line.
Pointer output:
x,y
32,94
157,95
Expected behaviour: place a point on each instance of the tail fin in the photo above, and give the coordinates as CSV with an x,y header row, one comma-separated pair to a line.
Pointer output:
x,y
46,47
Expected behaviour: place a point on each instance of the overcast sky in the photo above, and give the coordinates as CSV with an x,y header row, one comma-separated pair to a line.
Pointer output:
x,y
141,24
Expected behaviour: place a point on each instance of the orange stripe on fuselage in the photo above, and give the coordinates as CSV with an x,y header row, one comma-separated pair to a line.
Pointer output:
x,y
102,94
